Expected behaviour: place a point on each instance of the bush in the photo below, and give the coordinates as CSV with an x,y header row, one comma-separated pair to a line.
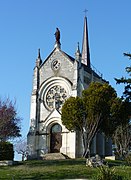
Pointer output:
x,y
128,159
6,151
106,173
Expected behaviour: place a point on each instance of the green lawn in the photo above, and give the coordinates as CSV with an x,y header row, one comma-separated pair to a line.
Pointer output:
x,y
56,169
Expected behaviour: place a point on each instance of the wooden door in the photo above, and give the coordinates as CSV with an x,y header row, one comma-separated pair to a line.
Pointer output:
x,y
56,139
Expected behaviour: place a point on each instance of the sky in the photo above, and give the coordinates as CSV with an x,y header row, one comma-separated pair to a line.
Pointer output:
x,y
27,25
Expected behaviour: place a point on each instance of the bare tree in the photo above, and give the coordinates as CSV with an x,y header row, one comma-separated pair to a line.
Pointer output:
x,y
21,148
122,140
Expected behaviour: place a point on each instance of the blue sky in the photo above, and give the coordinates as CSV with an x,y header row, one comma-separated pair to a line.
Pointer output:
x,y
26,25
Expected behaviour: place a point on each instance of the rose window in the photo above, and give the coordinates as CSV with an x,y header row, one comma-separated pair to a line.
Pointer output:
x,y
55,97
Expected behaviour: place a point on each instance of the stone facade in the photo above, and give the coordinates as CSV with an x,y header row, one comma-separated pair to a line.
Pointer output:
x,y
55,79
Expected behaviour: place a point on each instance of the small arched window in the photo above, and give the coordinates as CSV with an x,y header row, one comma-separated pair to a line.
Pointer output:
x,y
56,128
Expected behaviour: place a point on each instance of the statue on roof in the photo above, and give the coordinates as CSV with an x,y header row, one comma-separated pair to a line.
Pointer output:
x,y
57,35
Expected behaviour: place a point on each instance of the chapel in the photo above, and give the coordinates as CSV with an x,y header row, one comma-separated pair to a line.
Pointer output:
x,y
55,79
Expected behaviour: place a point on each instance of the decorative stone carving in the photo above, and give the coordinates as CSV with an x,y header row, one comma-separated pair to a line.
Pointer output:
x,y
55,97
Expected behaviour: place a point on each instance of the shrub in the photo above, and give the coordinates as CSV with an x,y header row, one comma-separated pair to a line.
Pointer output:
x,y
6,151
106,173
128,159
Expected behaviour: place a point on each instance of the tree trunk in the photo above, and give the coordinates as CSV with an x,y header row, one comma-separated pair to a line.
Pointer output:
x,y
86,144
87,150
23,157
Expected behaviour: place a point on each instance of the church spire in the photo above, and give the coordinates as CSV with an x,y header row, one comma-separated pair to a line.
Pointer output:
x,y
85,45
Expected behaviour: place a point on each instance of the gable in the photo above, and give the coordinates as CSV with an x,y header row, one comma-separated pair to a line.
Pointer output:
x,y
58,63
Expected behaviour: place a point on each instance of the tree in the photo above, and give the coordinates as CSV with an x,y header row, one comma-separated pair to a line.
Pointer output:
x,y
21,148
9,121
122,134
91,112
73,113
122,140
126,81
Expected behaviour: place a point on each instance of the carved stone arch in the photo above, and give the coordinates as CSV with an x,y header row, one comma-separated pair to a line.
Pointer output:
x,y
48,91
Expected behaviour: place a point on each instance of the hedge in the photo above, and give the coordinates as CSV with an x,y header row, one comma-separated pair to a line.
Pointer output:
x,y
6,151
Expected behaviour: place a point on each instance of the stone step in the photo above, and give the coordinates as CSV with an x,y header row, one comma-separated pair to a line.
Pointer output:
x,y
53,156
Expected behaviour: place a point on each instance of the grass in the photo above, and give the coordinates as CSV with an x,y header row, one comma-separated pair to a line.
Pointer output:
x,y
56,169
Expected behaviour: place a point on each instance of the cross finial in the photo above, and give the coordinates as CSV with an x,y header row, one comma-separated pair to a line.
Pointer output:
x,y
85,11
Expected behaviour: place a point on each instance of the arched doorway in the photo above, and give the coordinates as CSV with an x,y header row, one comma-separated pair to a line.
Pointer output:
x,y
56,138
